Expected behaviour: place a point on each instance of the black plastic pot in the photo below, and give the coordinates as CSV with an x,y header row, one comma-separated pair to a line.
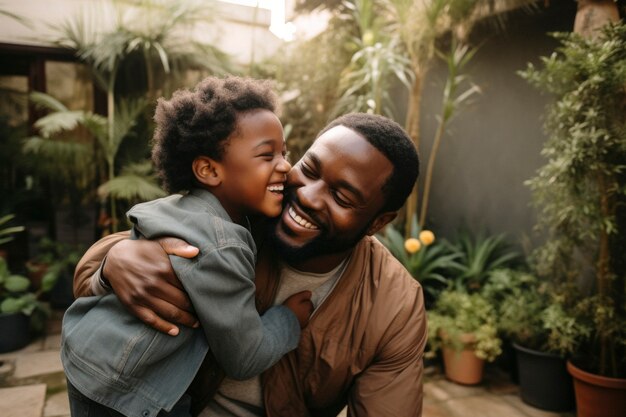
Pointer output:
x,y
544,380
15,331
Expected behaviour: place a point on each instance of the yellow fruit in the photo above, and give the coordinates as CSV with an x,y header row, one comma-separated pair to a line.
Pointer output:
x,y
412,245
427,237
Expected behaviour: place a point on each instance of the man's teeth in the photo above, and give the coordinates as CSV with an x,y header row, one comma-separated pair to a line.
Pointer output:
x,y
276,188
300,220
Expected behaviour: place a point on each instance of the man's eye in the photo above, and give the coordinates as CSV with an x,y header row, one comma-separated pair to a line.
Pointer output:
x,y
307,171
343,202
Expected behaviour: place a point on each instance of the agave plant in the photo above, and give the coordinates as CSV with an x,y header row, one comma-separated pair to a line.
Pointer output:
x,y
478,256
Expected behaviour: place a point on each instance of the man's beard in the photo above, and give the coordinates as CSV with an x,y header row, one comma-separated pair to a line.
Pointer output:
x,y
318,246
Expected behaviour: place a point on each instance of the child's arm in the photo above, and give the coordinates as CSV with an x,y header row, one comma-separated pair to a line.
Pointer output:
x,y
221,287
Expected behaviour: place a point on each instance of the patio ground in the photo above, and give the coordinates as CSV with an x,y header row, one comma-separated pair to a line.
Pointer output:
x,y
32,384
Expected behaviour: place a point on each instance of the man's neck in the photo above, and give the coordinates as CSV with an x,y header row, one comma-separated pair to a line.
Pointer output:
x,y
321,264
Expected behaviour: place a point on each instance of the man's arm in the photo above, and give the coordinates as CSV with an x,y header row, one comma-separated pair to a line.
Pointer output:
x,y
140,274
392,384
91,261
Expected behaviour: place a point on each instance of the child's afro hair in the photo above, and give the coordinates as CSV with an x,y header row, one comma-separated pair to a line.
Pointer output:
x,y
199,122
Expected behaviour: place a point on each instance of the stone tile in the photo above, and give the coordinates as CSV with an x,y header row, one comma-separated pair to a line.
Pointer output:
x,y
529,410
455,390
482,406
37,364
435,392
52,342
57,405
434,410
25,401
34,346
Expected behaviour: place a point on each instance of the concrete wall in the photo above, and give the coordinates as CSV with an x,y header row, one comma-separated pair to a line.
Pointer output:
x,y
494,145
238,30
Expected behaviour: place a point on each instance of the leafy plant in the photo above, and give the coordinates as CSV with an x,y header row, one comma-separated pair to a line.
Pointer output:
x,y
452,101
164,52
459,314
478,255
532,312
581,190
377,61
58,258
15,296
7,232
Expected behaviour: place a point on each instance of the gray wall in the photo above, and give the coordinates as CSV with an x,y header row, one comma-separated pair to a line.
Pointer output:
x,y
493,145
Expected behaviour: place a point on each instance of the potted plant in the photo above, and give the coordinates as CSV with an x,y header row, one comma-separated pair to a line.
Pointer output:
x,y
463,326
582,194
20,309
531,315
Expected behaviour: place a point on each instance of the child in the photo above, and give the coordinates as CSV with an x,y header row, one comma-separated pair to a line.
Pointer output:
x,y
223,144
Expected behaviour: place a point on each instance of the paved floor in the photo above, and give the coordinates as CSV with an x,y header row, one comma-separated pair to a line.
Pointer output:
x,y
32,384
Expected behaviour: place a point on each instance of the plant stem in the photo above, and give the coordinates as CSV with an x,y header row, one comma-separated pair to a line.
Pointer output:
x,y
429,172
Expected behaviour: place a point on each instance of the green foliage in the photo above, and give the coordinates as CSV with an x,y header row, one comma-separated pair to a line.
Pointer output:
x,y
377,61
307,75
7,232
429,264
583,185
478,255
458,314
58,258
146,53
532,313
15,296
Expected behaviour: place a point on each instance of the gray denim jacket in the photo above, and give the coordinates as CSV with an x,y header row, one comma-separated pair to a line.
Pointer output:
x,y
113,358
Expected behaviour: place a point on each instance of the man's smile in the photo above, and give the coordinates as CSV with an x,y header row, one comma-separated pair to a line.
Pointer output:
x,y
298,219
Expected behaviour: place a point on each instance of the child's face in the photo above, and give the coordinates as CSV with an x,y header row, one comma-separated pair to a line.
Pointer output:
x,y
254,166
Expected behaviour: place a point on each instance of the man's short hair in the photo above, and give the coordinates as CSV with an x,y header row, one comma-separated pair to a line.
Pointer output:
x,y
199,122
392,141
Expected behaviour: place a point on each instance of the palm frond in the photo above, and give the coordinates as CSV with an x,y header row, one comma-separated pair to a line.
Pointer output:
x,y
134,184
46,102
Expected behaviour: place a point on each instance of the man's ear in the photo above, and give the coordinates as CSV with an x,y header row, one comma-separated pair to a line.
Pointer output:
x,y
381,221
207,171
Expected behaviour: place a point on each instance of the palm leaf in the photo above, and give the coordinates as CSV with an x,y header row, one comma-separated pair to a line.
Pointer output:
x,y
46,102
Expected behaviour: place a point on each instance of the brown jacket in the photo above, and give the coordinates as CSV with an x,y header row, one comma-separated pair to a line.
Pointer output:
x,y
363,346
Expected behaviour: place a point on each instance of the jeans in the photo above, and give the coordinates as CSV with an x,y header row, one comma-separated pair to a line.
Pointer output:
x,y
81,406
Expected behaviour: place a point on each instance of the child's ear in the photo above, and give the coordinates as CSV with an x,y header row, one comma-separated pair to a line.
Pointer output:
x,y
207,171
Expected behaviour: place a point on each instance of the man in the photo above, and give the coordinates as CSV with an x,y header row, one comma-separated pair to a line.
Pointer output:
x,y
364,343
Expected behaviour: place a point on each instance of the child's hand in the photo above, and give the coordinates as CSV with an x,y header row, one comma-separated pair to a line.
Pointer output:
x,y
301,305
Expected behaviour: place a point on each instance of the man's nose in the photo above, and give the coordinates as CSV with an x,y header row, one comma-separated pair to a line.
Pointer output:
x,y
310,195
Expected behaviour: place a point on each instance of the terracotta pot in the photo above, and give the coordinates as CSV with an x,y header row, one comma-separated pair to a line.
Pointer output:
x,y
463,366
598,396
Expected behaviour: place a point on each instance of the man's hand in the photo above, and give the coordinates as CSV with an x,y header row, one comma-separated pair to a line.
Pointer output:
x,y
301,305
141,275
